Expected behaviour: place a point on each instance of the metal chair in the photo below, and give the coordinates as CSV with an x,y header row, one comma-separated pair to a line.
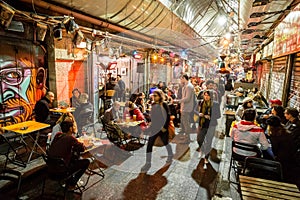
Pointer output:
x,y
263,168
11,146
58,171
237,161
14,176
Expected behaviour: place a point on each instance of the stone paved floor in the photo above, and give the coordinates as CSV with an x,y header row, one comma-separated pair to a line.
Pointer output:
x,y
185,178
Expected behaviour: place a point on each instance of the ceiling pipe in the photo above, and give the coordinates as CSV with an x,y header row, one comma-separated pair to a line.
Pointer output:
x,y
92,20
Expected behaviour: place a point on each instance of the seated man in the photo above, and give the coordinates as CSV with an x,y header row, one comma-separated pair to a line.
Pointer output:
x,y
84,112
63,146
42,112
112,114
246,131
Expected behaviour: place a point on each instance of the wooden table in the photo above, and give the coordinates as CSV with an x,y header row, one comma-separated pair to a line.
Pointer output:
x,y
257,188
63,110
25,128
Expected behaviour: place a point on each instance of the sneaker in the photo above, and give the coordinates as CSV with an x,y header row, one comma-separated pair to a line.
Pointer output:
x,y
146,167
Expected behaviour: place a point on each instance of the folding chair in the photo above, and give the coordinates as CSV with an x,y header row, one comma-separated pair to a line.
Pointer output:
x,y
8,120
58,171
13,176
11,146
263,168
237,161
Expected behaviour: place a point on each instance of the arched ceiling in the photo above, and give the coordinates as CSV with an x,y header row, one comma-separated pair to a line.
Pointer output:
x,y
177,25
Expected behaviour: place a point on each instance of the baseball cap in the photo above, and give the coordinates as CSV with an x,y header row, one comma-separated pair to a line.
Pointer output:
x,y
276,101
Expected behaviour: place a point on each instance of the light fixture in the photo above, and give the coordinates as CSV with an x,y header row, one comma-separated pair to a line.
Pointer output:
x,y
260,37
78,38
6,14
97,47
70,25
258,23
260,14
57,32
260,3
89,44
41,31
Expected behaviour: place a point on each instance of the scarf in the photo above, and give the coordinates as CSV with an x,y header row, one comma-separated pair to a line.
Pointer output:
x,y
206,110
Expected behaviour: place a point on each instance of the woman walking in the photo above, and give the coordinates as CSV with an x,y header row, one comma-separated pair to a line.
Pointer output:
x,y
208,111
160,118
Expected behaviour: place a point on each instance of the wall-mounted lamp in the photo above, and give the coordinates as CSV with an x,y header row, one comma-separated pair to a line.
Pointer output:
x,y
70,26
89,45
78,38
6,14
57,32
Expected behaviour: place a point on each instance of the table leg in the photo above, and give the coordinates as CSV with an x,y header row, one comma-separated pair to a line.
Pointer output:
x,y
35,145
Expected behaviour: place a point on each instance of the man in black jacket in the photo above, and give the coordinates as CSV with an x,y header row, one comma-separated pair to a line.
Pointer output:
x,y
42,112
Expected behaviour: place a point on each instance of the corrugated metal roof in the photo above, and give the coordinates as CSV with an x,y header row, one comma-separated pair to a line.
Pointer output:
x,y
191,25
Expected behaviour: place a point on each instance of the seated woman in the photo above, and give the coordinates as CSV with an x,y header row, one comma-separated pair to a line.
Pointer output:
x,y
132,109
140,103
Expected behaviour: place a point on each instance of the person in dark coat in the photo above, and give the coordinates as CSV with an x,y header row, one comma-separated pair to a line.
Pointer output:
x,y
160,118
208,112
283,147
63,146
74,100
84,113
42,110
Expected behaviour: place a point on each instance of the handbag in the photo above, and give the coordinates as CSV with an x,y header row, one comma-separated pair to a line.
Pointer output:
x,y
171,131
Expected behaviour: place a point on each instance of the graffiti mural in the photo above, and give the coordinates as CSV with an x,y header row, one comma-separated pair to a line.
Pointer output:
x,y
22,77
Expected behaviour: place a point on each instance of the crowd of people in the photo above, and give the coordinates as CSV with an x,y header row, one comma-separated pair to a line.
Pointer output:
x,y
196,106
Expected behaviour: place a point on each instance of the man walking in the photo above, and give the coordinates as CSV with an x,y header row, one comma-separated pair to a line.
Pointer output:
x,y
186,104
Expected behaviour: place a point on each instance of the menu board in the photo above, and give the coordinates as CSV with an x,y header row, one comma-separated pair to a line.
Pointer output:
x,y
287,34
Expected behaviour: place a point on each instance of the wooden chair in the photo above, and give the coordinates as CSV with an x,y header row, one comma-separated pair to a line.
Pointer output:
x,y
263,168
237,161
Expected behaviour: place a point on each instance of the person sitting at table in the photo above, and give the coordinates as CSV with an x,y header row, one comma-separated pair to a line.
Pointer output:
x,y
283,147
42,110
74,100
63,146
247,103
261,119
132,110
57,128
84,113
112,114
246,131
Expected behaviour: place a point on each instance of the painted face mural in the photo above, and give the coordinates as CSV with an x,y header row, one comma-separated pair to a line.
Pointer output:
x,y
20,76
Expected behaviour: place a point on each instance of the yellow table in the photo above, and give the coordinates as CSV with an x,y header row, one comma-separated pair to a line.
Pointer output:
x,y
257,188
63,110
25,128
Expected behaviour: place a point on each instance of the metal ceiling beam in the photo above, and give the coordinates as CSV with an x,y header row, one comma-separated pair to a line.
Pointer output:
x,y
64,11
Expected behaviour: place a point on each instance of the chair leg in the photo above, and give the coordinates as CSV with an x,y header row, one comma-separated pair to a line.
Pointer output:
x,y
229,171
